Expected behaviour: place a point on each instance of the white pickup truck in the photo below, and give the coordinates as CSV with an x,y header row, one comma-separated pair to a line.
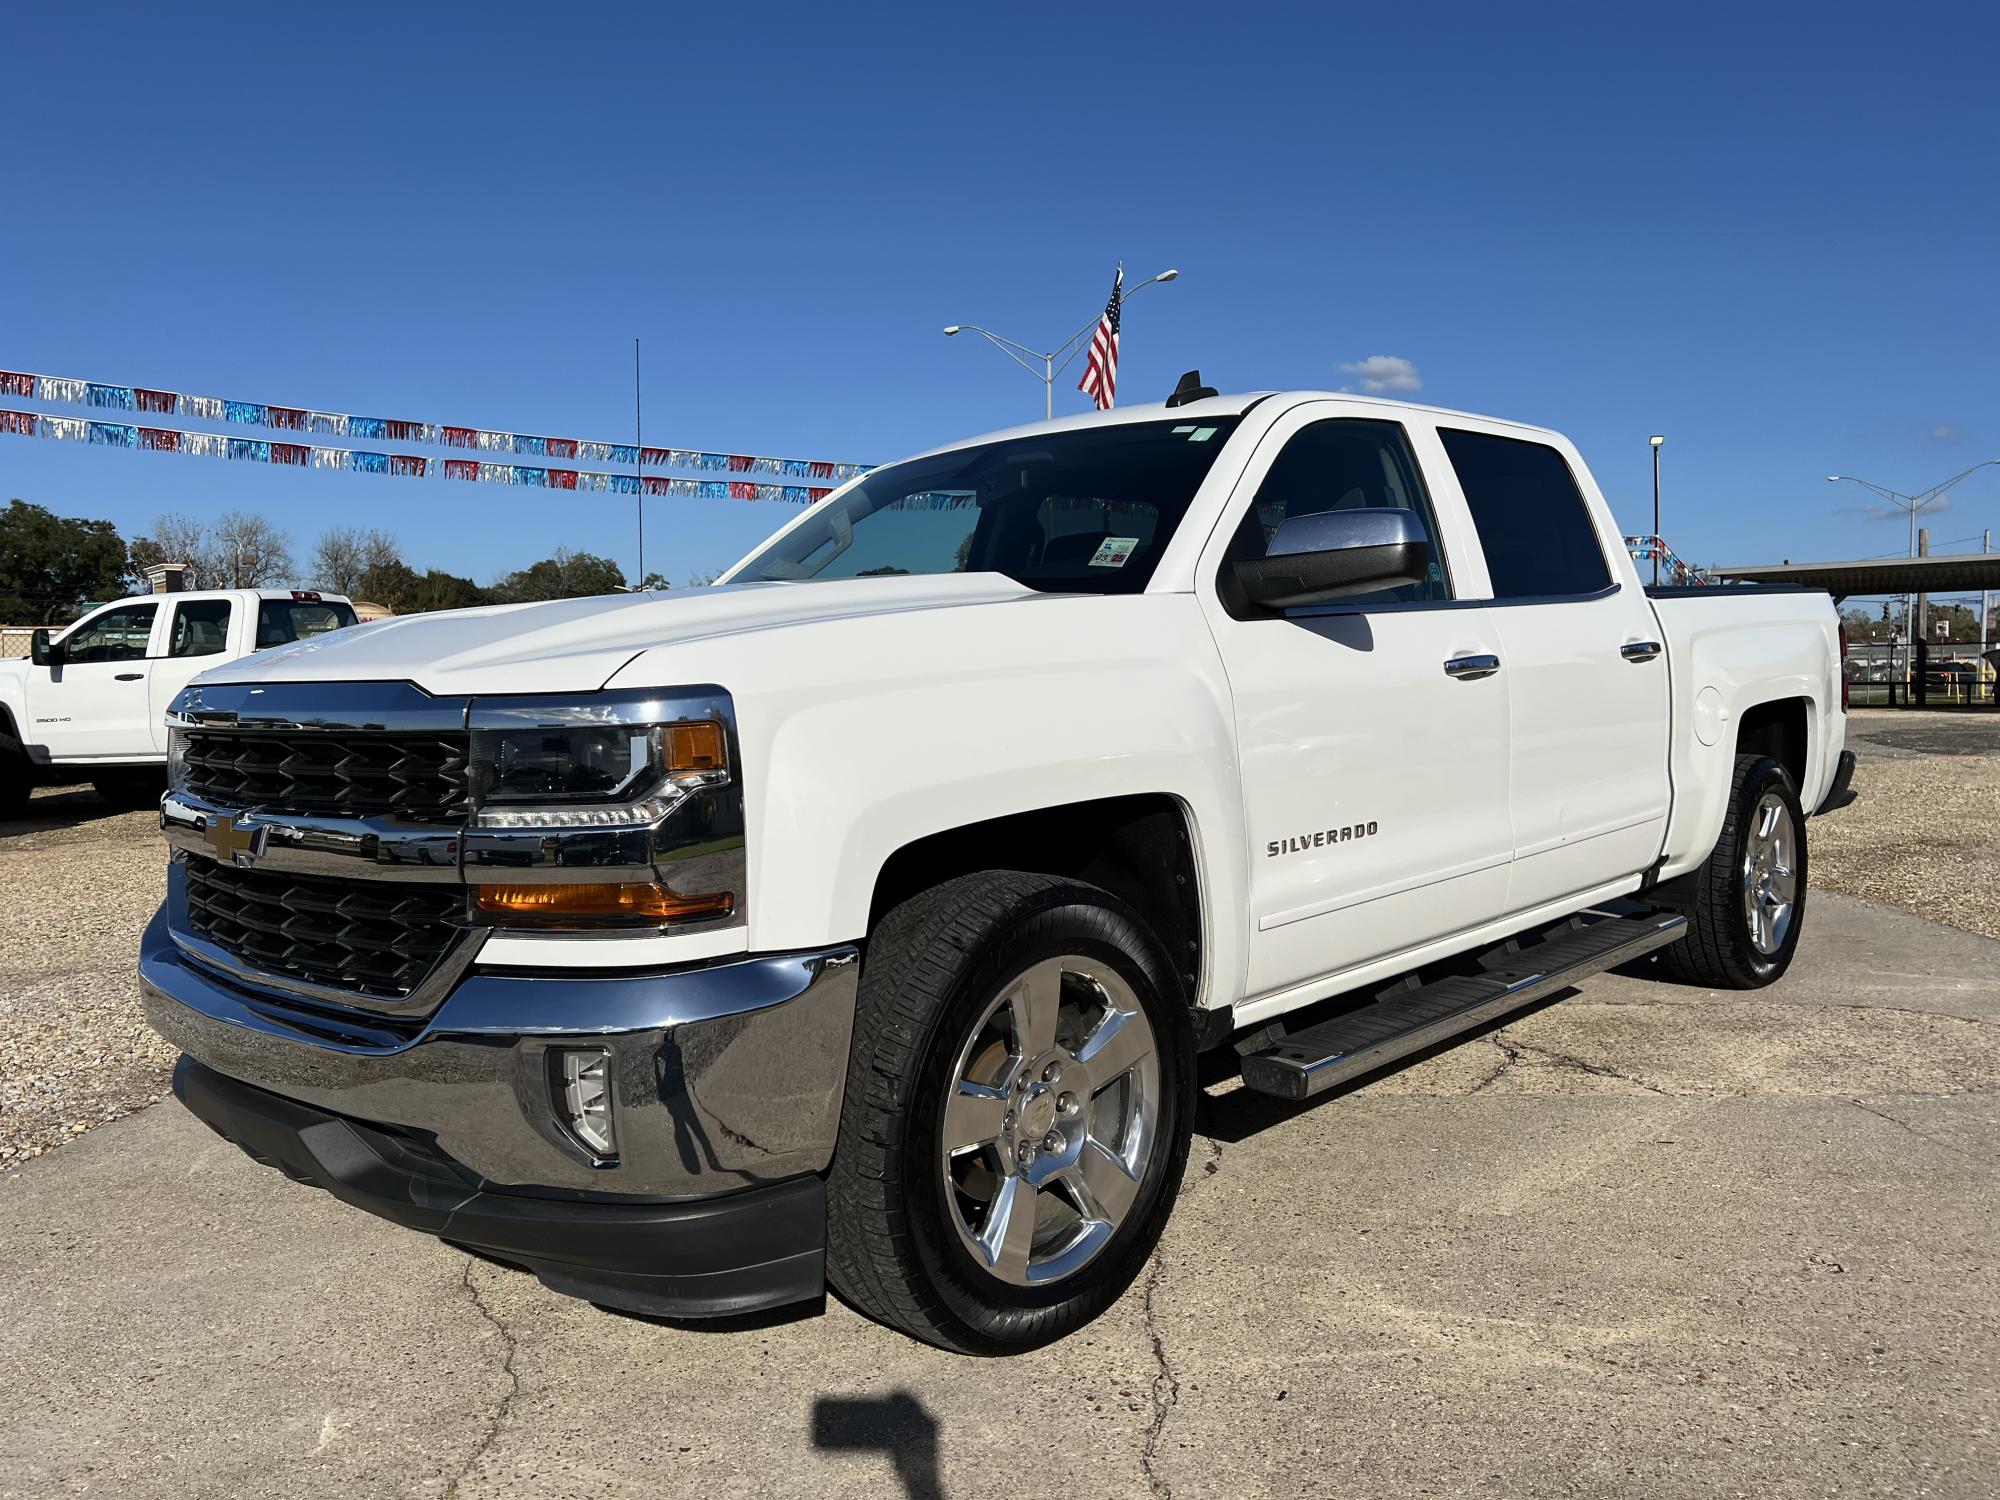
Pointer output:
x,y
90,703
859,920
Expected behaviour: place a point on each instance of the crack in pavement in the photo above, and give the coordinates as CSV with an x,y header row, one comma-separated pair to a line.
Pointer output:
x,y
506,1403
1514,1052
1166,1389
1920,1135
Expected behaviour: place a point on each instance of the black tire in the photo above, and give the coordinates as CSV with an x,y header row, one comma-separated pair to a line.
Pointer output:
x,y
932,967
17,784
134,790
1719,950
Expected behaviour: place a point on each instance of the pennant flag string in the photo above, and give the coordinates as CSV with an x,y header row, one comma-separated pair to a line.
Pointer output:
x,y
64,391
401,465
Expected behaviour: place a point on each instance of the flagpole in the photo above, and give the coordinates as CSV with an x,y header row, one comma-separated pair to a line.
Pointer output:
x,y
638,464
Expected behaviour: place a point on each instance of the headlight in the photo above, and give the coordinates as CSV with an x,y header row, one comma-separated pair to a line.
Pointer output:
x,y
614,809
608,776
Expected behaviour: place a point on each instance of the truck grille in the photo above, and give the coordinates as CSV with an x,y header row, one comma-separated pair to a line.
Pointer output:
x,y
419,778
376,938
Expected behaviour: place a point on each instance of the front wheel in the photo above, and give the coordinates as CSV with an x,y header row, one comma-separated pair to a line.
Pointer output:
x,y
1747,903
1019,1105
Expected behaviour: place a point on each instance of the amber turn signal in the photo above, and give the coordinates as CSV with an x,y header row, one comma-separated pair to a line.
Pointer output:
x,y
564,900
694,746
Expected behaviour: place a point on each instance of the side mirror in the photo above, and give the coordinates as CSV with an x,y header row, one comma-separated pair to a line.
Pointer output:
x,y
1315,558
42,652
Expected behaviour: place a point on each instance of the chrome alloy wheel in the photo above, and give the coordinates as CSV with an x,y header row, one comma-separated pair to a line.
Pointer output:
x,y
1770,878
1050,1125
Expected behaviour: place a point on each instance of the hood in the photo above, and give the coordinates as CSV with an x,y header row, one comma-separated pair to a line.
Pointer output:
x,y
576,645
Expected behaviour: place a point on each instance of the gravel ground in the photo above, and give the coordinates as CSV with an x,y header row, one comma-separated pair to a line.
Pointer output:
x,y
80,881
1925,834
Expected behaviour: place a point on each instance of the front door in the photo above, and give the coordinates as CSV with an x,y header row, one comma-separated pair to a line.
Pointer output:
x,y
1374,781
95,705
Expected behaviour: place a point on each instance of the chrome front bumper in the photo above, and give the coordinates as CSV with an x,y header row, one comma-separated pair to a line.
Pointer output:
x,y
724,1077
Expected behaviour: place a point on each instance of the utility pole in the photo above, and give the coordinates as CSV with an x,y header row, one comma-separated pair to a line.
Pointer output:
x,y
1657,440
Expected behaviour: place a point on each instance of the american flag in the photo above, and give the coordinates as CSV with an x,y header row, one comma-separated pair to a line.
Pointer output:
x,y
1100,374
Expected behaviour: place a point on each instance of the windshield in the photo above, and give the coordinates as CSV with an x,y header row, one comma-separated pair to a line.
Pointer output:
x,y
1064,512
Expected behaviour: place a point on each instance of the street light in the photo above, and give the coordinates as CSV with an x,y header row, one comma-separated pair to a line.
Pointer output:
x,y
1656,440
1066,351
1911,504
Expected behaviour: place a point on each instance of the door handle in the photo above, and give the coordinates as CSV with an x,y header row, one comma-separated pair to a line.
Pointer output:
x,y
1639,650
127,676
1469,667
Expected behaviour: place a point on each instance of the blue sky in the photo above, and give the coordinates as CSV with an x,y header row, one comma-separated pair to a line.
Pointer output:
x,y
1771,236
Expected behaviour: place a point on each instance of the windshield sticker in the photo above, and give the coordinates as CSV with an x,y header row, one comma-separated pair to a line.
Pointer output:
x,y
1201,434
1179,430
1114,552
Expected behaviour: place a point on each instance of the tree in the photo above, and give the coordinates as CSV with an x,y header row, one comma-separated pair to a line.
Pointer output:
x,y
50,564
343,555
250,552
702,580
654,583
242,552
567,575
177,539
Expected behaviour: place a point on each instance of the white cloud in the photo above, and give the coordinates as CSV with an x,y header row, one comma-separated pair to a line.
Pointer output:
x,y
1947,432
1379,373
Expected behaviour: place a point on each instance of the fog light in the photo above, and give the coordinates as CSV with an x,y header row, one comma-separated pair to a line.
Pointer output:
x,y
583,1098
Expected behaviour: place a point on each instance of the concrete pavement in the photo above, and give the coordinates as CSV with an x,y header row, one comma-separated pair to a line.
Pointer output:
x,y
1650,1240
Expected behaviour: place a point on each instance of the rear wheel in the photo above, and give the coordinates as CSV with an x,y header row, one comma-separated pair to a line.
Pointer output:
x,y
1018,1110
1747,903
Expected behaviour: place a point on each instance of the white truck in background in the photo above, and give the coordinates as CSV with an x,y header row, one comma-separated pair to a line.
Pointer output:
x,y
90,701
859,920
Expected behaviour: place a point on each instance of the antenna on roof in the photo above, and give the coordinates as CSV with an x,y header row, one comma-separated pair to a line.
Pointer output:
x,y
1190,389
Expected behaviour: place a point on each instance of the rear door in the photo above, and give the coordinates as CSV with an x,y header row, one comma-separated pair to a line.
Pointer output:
x,y
95,705
1374,782
1586,667
197,637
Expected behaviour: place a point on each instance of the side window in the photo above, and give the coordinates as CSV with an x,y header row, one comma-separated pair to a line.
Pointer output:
x,y
116,635
1532,521
1344,463
201,628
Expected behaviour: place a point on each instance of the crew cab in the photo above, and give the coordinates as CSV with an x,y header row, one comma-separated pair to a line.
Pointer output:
x,y
90,702
859,920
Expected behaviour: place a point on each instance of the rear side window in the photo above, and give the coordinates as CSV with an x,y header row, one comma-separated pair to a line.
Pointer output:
x,y
1531,518
282,621
201,628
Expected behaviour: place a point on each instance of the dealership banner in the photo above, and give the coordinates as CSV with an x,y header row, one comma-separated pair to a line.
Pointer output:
x,y
402,465
63,390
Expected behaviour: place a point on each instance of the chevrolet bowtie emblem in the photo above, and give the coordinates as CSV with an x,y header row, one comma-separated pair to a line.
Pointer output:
x,y
233,842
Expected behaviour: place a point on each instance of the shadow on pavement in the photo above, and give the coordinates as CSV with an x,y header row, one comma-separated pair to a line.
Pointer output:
x,y
896,1424
65,807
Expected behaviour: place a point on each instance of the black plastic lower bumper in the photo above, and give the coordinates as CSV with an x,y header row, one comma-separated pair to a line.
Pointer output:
x,y
1841,792
734,1253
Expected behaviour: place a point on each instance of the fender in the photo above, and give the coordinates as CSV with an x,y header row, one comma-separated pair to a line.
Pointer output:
x,y
898,727
1721,672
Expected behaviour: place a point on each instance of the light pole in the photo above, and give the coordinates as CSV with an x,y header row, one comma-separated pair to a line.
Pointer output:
x,y
1911,504
1066,351
1656,440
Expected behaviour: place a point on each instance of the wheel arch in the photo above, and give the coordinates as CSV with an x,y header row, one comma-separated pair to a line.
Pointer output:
x,y
1140,847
